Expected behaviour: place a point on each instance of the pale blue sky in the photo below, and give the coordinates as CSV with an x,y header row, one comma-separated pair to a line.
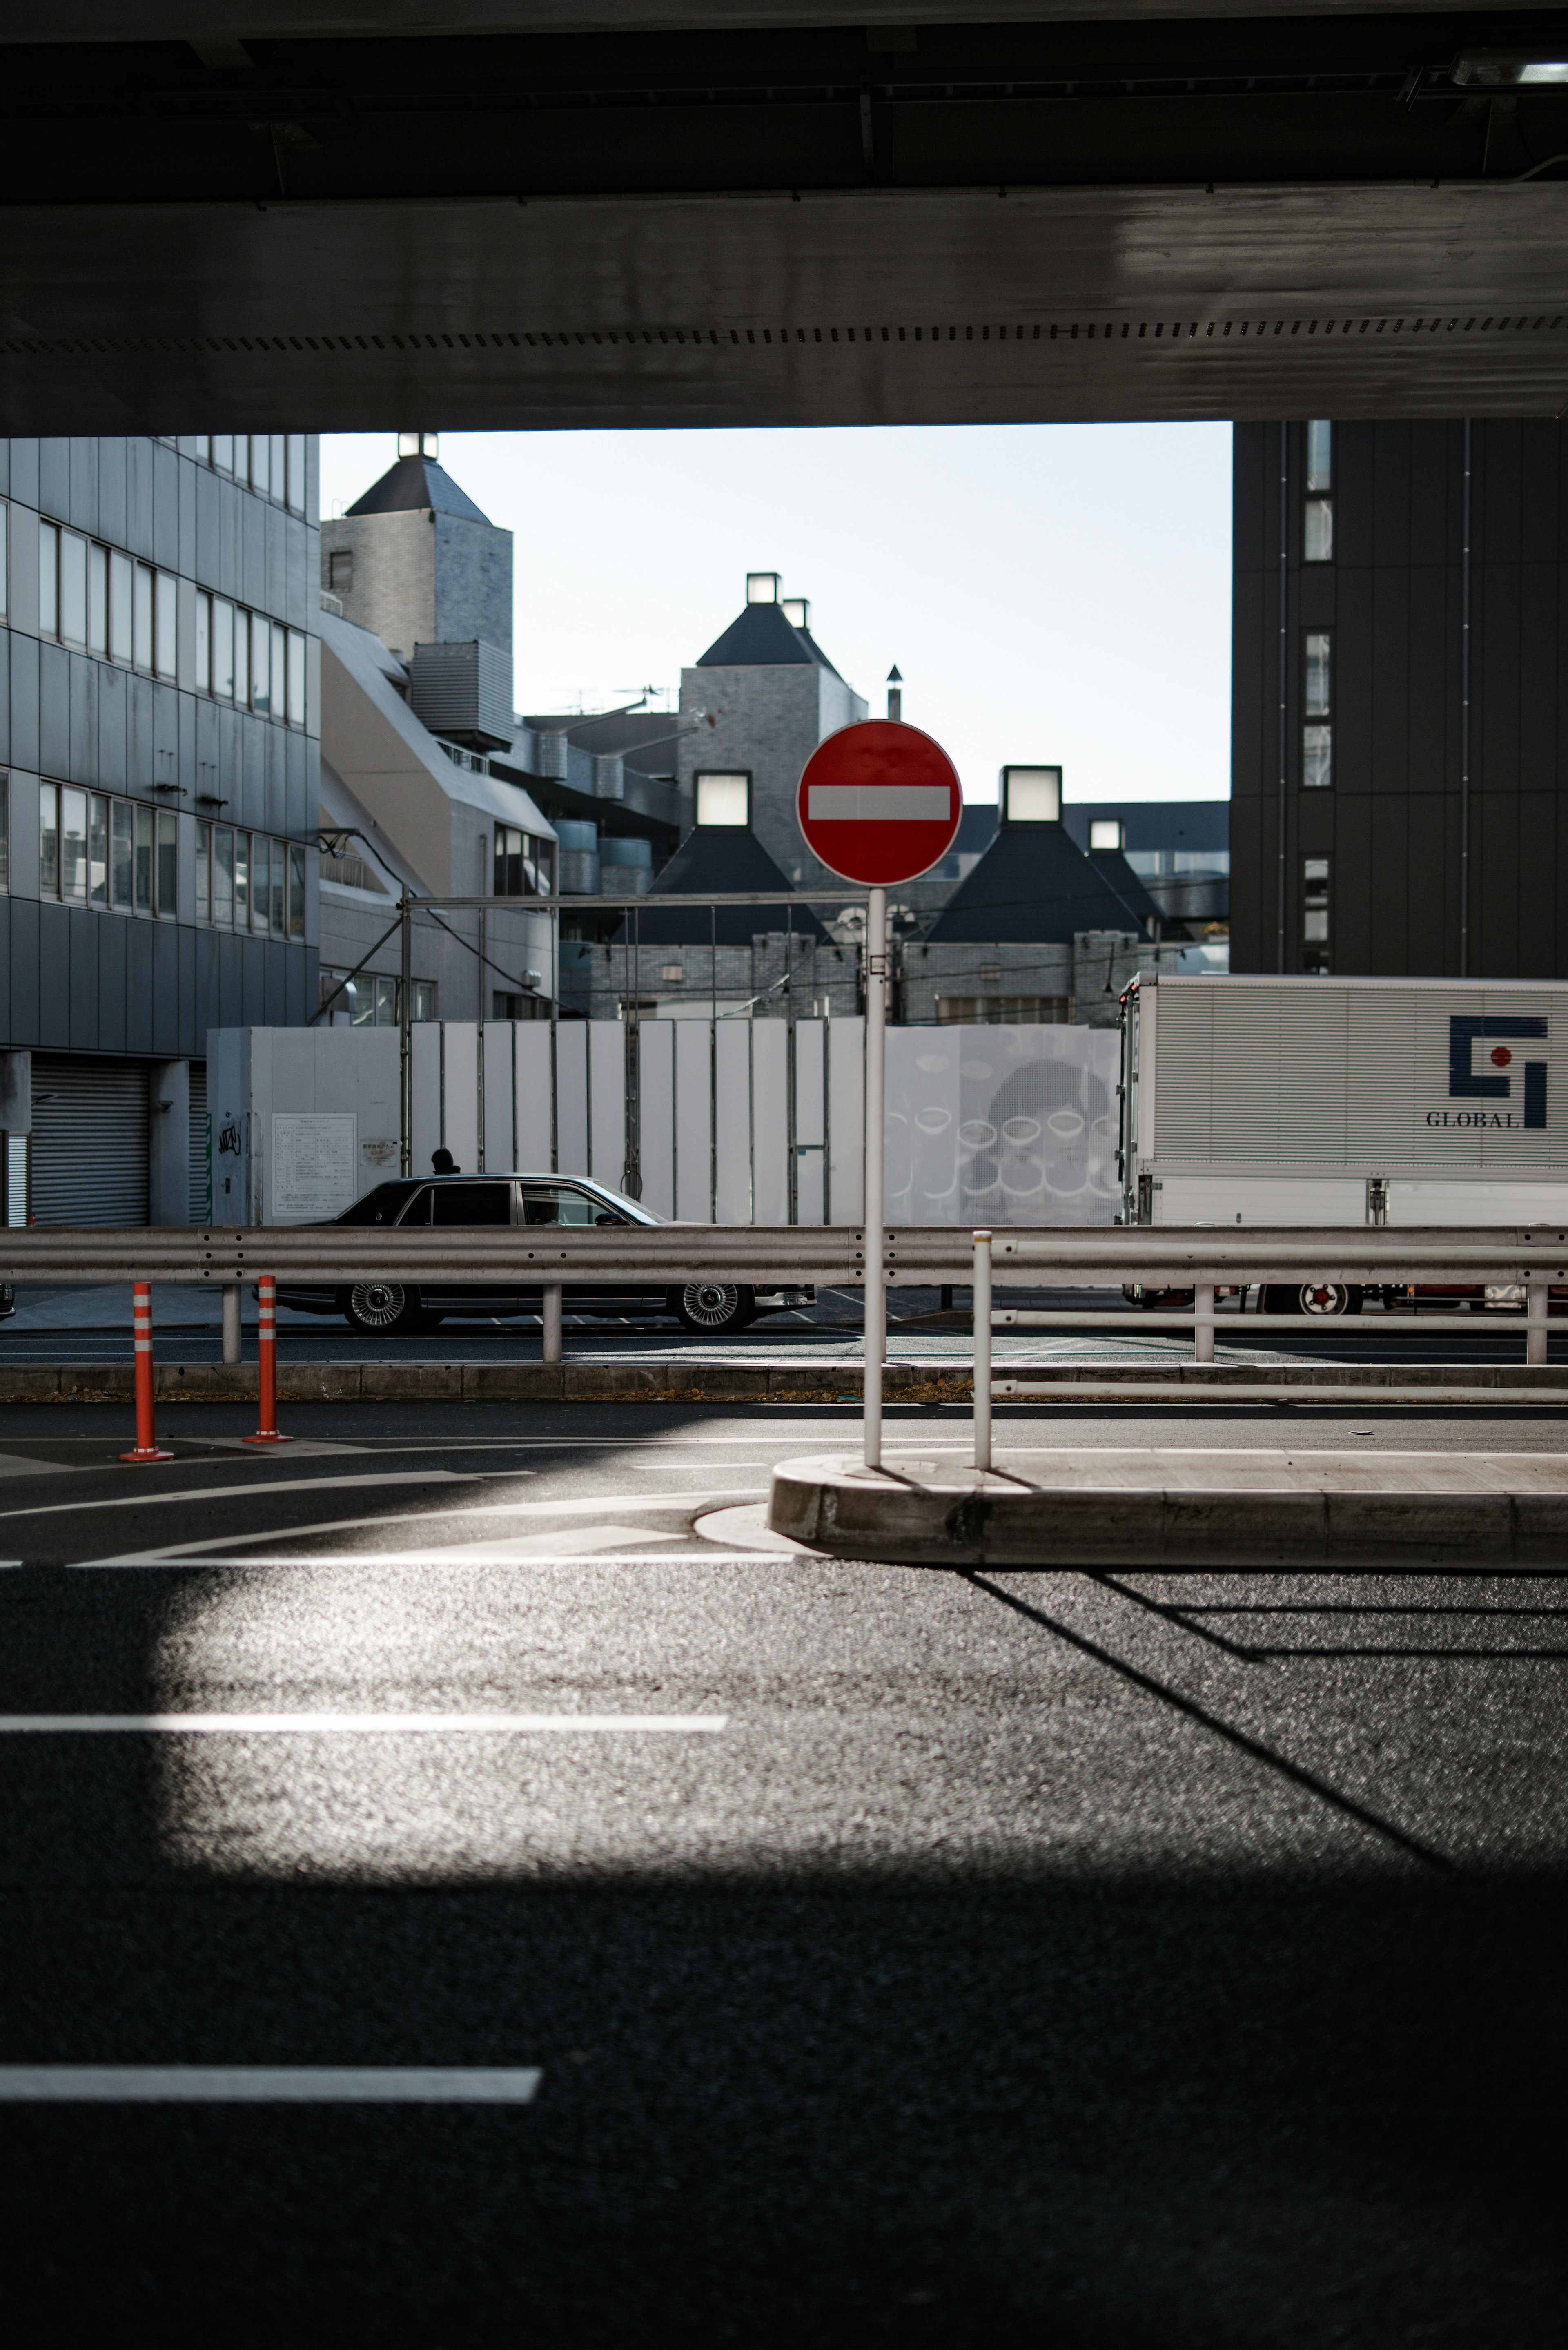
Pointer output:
x,y
1050,592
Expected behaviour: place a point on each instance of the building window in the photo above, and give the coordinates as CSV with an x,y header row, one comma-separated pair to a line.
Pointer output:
x,y
371,1001
203,448
48,580
724,800
166,629
119,602
248,881
5,561
1320,454
141,614
1003,1011
98,599
1105,832
522,864
119,856
340,571
1317,515
1030,795
73,589
1315,914
5,832
1317,734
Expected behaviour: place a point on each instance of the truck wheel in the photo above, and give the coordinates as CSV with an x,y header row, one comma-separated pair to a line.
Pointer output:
x,y
712,1309
382,1309
1322,1298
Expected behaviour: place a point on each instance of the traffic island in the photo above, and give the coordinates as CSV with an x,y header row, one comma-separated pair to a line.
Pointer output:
x,y
1153,1507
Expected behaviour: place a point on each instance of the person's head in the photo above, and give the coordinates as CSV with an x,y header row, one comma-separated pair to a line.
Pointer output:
x,y
443,1162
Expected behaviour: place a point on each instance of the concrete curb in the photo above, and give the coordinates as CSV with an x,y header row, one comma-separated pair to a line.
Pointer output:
x,y
720,1381
955,1517
534,1383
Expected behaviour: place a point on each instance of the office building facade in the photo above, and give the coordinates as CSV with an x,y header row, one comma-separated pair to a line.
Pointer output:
x,y
158,747
1399,743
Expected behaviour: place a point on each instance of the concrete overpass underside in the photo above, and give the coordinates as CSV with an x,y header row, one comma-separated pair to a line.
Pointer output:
x,y
340,220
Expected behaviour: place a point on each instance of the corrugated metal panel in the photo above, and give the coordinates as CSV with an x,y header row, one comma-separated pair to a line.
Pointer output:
x,y
1336,1074
201,1203
89,1141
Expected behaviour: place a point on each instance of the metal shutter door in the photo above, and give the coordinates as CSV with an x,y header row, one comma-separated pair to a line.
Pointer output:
x,y
201,1206
89,1141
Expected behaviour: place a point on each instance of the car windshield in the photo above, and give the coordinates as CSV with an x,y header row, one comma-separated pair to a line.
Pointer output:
x,y
632,1209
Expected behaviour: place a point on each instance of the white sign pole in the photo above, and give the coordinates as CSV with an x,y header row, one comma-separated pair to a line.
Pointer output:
x,y
875,1121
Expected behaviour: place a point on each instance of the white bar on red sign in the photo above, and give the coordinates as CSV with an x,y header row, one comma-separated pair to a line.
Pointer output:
x,y
878,804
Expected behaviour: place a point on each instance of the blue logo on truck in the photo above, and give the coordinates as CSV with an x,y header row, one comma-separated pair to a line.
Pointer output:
x,y
1495,1083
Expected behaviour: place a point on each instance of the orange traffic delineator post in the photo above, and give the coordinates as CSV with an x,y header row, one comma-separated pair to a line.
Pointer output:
x,y
147,1444
266,1291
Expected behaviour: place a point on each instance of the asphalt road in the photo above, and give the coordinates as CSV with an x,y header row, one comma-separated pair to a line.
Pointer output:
x,y
1028,1958
93,1326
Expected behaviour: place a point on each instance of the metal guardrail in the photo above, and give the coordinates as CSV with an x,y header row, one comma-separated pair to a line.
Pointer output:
x,y
1529,1258
921,1255
1198,1259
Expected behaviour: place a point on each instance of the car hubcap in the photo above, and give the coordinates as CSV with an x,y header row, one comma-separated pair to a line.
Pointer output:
x,y
1326,1299
377,1304
711,1304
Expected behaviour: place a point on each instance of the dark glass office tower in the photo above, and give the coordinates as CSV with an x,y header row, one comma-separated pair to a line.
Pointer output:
x,y
1400,732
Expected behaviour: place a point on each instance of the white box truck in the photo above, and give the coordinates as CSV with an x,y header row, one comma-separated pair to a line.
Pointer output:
x,y
1344,1101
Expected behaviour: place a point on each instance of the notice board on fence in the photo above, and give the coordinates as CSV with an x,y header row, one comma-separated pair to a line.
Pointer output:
x,y
313,1165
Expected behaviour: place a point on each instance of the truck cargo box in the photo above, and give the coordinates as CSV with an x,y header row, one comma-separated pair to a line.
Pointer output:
x,y
1344,1101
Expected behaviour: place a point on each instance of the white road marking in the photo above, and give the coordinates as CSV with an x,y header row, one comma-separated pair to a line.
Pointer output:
x,y
13,1464
424,1517
372,1725
292,2084
573,1543
155,1495
499,1554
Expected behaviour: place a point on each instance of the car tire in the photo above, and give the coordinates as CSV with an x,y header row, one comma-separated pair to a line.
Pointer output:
x,y
382,1309
1318,1300
712,1309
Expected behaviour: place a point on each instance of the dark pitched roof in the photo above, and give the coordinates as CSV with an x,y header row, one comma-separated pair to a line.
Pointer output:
x,y
761,638
413,484
717,858
819,656
1194,825
1033,885
1127,884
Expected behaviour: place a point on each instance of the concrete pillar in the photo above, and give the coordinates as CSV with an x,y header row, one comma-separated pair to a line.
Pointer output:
x,y
16,1093
16,1126
169,1145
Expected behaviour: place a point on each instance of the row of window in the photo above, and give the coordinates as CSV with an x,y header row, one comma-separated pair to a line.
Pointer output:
x,y
119,855
248,881
524,866
108,603
371,1001
271,464
123,857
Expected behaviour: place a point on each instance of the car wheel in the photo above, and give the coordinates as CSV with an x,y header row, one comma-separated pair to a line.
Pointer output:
x,y
712,1309
1319,1298
382,1309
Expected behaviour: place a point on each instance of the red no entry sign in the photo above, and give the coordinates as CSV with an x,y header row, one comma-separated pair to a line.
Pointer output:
x,y
880,803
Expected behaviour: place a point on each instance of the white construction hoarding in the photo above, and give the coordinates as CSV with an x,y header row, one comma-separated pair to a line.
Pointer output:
x,y
729,1121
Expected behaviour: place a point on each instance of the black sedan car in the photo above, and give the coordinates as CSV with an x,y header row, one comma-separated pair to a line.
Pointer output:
x,y
712,1309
